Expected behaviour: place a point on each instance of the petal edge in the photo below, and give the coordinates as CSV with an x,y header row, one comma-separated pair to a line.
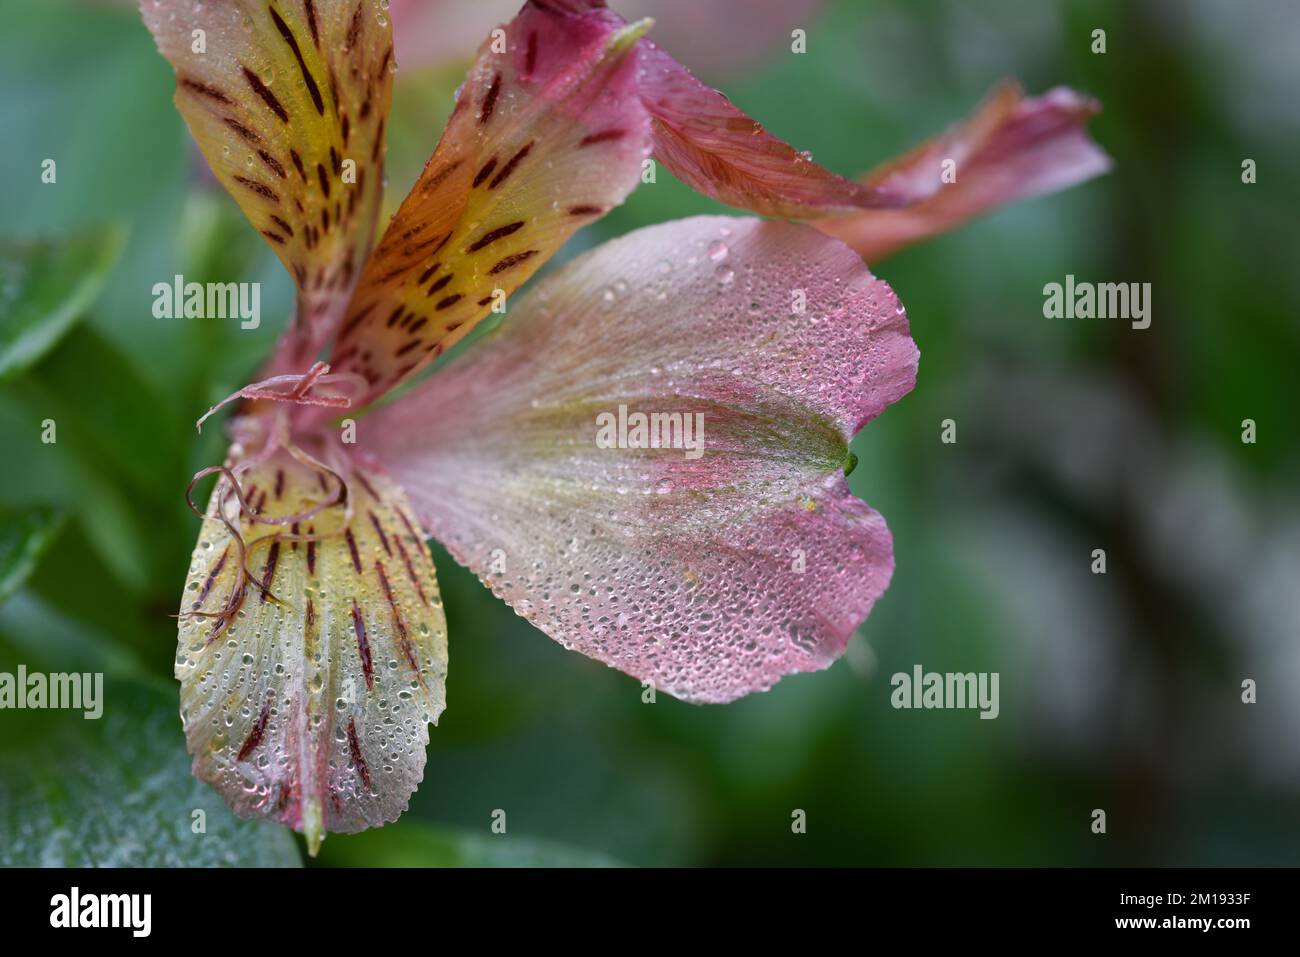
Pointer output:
x,y
709,576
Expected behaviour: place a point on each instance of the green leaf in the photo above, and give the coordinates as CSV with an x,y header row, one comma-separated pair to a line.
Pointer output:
x,y
117,791
24,537
414,844
45,638
45,286
129,427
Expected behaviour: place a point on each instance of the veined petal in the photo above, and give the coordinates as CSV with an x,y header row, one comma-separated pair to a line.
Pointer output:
x,y
307,685
1011,148
547,134
710,575
716,149
287,100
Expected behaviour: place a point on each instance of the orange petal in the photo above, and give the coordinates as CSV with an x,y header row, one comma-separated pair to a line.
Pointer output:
x,y
287,100
547,134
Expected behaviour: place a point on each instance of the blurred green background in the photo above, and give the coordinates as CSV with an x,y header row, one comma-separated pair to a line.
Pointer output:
x,y
1119,691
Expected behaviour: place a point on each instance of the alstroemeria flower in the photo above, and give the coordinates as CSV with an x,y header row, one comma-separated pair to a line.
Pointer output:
x,y
312,648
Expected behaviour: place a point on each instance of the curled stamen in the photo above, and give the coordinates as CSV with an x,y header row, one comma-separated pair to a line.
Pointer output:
x,y
341,496
242,574
229,475
298,392
229,484
338,495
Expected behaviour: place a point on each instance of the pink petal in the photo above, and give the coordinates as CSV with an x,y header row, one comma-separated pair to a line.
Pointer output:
x,y
1011,148
716,149
684,572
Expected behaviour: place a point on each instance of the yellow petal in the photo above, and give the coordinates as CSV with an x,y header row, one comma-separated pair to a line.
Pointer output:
x,y
307,685
287,100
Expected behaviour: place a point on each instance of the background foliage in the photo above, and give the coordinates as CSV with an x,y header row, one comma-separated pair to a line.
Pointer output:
x,y
1119,691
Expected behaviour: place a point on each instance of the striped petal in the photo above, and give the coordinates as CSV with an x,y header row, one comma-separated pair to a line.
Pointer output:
x,y
709,574
287,100
547,134
307,684
1011,148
